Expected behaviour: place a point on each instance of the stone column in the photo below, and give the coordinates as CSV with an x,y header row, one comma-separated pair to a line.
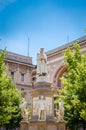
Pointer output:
x,y
24,125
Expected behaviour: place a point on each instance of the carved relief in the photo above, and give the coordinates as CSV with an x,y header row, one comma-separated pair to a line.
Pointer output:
x,y
22,69
49,105
13,67
35,105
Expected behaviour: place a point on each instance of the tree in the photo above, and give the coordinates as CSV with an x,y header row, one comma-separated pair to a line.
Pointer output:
x,y
10,97
74,92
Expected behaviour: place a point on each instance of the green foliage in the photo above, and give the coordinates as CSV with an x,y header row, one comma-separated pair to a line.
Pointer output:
x,y
10,97
74,92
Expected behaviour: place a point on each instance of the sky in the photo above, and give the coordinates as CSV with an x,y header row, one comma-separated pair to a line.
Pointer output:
x,y
41,23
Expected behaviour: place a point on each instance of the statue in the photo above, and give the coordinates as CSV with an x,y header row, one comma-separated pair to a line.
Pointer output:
x,y
42,109
61,111
41,63
24,110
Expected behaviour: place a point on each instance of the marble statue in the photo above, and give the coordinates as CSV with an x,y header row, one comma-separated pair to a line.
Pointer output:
x,y
41,63
61,111
24,110
41,109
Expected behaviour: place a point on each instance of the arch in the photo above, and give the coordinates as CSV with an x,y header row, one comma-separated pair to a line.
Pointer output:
x,y
52,74
58,75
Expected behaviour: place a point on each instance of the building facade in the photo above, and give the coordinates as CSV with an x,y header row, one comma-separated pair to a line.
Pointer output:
x,y
20,68
23,72
56,61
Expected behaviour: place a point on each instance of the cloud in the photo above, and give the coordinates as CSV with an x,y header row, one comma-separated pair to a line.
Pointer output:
x,y
4,3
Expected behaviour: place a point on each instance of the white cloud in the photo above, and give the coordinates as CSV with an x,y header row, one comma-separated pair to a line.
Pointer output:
x,y
4,3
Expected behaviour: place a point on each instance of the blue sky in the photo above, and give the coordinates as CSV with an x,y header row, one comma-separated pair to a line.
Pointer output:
x,y
47,23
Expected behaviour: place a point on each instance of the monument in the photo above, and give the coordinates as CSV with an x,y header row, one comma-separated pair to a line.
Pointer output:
x,y
42,112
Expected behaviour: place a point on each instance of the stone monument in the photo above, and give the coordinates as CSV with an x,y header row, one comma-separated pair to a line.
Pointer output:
x,y
42,112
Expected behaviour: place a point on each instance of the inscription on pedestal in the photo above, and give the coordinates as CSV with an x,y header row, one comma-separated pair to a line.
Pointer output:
x,y
23,125
41,127
33,127
51,127
61,126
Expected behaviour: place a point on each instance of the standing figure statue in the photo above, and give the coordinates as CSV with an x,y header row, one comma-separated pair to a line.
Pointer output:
x,y
41,63
61,111
24,110
42,109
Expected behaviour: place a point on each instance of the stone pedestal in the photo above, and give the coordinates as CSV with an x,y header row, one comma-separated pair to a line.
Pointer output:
x,y
44,90
61,126
24,125
37,126
42,125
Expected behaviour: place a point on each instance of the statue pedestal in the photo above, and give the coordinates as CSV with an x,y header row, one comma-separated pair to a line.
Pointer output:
x,y
24,125
61,126
42,79
45,90
42,125
42,101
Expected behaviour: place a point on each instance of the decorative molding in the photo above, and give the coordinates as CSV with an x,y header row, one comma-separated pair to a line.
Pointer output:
x,y
22,69
12,67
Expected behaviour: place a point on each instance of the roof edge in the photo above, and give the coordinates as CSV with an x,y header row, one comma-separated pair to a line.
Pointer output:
x,y
64,46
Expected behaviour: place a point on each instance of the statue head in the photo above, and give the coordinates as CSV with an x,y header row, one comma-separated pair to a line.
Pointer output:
x,y
41,49
42,97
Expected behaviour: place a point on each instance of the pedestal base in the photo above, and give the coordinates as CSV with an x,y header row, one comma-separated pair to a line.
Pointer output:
x,y
24,125
61,126
42,125
42,79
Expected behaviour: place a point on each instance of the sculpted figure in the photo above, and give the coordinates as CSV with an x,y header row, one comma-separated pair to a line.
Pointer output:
x,y
41,63
42,109
24,110
61,111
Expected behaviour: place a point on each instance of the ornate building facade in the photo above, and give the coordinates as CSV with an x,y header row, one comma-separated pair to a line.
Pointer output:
x,y
23,72
20,68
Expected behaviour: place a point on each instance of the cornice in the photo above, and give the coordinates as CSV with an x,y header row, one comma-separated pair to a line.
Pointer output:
x,y
19,62
57,50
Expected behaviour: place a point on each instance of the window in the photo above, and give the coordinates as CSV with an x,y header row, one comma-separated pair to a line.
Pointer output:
x,y
12,75
22,77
